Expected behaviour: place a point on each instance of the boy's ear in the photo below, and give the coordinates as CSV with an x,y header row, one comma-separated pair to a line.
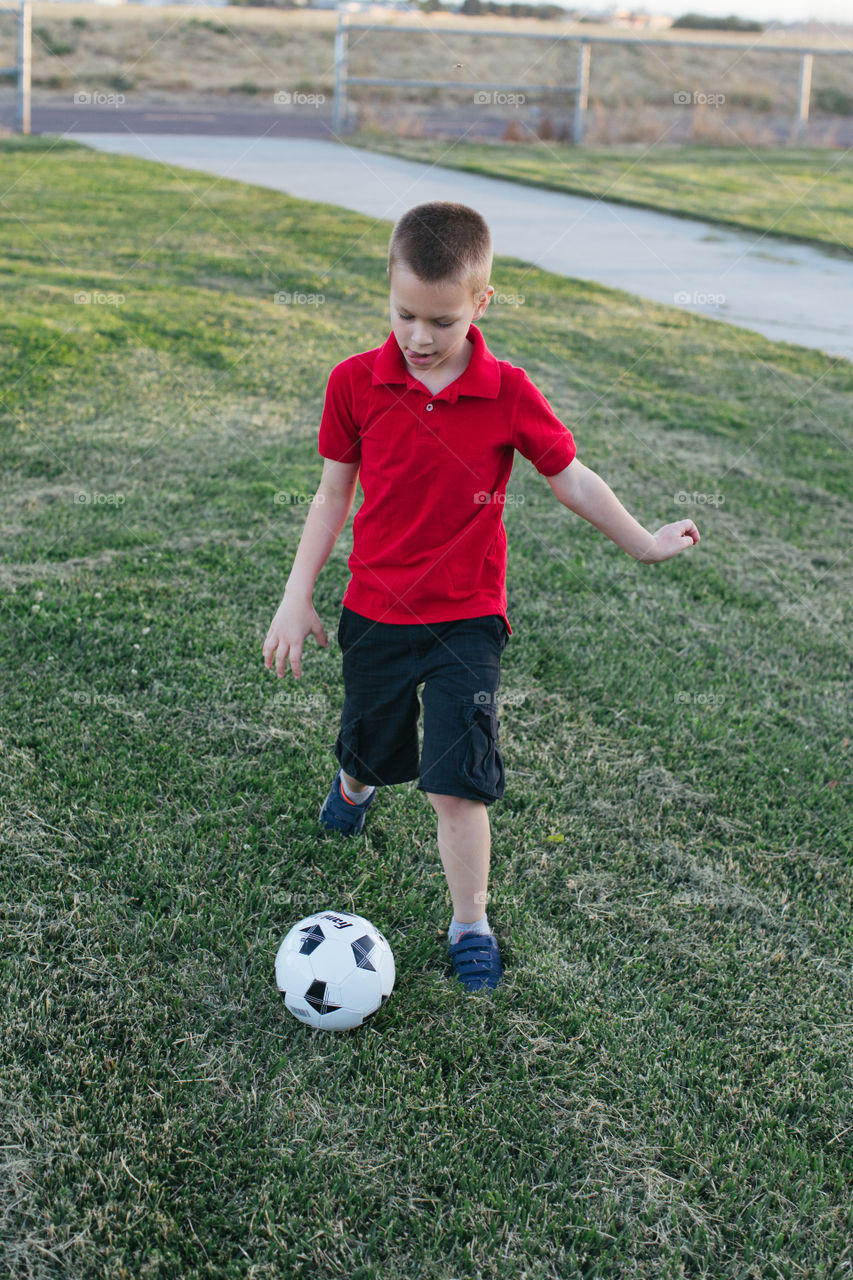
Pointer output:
x,y
485,298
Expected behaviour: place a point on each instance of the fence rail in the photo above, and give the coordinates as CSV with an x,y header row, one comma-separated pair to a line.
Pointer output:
x,y
580,89
22,70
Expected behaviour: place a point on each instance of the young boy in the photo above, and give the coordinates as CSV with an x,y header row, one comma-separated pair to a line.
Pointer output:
x,y
430,421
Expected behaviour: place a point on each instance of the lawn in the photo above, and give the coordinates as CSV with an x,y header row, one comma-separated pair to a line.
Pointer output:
x,y
661,1086
800,194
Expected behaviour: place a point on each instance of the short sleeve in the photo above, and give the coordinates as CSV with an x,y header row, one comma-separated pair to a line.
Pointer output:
x,y
339,438
538,433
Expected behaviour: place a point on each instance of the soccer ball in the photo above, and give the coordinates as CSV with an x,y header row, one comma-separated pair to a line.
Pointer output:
x,y
334,970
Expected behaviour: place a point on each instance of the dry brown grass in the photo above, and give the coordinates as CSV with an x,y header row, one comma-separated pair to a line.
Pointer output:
x,y
193,57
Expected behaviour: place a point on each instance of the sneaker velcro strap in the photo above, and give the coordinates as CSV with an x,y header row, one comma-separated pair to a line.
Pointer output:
x,y
476,960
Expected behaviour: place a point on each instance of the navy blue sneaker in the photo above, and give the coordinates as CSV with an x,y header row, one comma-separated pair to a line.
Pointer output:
x,y
476,960
340,814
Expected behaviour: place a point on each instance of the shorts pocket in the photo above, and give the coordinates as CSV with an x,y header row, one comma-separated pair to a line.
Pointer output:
x,y
483,762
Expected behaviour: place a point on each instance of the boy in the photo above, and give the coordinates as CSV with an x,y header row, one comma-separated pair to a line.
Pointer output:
x,y
430,421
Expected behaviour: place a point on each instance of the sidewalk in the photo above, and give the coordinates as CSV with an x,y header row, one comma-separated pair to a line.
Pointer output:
x,y
789,292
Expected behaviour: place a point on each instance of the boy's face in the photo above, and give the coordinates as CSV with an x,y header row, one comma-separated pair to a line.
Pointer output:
x,y
430,321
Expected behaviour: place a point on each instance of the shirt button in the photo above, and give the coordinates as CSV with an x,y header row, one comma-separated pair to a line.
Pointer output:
x,y
429,408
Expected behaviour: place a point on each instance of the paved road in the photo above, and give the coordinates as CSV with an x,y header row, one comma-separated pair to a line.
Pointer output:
x,y
257,122
789,292
304,123
257,119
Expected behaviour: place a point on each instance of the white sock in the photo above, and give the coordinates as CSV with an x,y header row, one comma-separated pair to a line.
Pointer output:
x,y
457,928
357,797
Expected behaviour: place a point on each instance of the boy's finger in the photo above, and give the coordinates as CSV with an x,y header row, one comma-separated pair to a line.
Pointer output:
x,y
281,659
296,660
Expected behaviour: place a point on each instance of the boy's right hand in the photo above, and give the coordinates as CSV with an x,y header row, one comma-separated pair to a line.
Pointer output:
x,y
294,620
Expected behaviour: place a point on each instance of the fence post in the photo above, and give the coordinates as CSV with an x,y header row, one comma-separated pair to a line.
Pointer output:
x,y
805,94
340,106
22,122
582,95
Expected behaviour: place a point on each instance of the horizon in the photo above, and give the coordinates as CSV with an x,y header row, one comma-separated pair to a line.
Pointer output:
x,y
785,11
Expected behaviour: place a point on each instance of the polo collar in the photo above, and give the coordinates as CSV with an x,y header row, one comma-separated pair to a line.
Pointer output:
x,y
482,377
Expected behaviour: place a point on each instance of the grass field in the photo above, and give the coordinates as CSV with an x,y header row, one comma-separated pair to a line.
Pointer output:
x,y
804,195
661,1086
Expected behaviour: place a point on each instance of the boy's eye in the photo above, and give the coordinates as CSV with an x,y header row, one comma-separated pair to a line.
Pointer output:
x,y
442,324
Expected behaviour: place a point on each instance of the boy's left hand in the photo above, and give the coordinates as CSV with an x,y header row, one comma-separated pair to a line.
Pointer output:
x,y
669,540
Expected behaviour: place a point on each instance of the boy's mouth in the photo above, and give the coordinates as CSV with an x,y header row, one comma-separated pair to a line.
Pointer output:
x,y
418,359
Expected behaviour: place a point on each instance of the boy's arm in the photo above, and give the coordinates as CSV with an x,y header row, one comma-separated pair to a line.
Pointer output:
x,y
296,617
585,493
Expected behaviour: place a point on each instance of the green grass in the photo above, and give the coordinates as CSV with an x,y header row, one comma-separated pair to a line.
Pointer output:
x,y
661,1087
800,194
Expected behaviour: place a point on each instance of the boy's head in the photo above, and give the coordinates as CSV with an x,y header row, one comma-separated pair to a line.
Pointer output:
x,y
439,263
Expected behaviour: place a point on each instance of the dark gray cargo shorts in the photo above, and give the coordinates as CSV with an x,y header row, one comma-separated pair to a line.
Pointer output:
x,y
459,665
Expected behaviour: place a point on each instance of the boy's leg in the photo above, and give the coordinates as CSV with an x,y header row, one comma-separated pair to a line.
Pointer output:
x,y
464,843
462,773
351,782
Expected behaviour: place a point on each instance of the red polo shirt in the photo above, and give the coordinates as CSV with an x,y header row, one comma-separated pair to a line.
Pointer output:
x,y
429,543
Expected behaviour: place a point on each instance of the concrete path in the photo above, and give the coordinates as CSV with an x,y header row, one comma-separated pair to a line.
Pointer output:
x,y
789,292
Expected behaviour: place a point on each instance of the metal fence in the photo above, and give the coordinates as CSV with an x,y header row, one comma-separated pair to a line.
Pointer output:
x,y
580,89
22,70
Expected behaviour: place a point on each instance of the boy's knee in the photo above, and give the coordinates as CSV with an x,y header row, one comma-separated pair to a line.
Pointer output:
x,y
453,806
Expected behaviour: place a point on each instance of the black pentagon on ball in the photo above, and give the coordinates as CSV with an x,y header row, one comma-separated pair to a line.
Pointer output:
x,y
313,937
361,949
316,997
